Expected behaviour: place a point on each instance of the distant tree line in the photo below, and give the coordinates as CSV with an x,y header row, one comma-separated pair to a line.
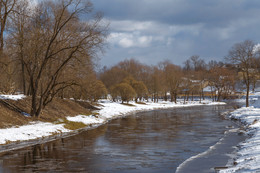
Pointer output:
x,y
168,81
48,50
222,80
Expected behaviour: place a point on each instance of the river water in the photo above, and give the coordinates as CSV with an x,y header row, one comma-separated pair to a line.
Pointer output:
x,y
154,141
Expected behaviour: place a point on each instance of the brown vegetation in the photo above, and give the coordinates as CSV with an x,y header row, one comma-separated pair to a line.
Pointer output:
x,y
51,46
124,91
59,109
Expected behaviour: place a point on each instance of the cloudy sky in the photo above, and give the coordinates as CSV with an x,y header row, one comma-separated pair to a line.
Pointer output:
x,y
154,30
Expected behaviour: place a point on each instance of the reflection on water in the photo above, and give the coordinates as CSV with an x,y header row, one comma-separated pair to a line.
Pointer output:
x,y
156,141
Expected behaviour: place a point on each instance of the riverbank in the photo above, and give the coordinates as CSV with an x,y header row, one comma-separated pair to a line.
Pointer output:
x,y
108,110
248,157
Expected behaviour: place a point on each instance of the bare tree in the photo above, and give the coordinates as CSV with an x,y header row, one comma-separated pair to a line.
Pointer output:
x,y
19,25
132,67
173,76
241,54
113,76
197,63
58,40
155,83
6,7
187,65
222,81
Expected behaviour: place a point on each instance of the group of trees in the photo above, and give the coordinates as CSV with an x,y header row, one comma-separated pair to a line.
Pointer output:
x,y
128,89
169,81
48,50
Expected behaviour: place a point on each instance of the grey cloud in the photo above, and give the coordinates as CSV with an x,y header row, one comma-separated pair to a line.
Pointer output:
x,y
177,29
212,12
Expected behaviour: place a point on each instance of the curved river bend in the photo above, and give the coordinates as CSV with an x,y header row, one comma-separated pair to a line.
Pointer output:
x,y
155,141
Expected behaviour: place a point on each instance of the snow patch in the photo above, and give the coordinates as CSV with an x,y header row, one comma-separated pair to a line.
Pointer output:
x,y
12,97
32,131
86,119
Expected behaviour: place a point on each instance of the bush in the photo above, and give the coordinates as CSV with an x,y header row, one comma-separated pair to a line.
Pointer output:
x,y
123,90
140,89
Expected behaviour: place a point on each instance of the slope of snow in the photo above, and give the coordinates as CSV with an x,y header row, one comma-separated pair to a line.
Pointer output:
x,y
112,110
248,158
86,119
32,131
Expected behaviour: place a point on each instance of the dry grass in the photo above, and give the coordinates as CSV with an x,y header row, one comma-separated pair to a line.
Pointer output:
x,y
141,103
71,125
128,104
58,109
9,118
74,125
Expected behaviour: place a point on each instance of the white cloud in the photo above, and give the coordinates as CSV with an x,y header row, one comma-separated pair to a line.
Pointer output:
x,y
126,42
256,49
136,34
144,41
132,39
130,25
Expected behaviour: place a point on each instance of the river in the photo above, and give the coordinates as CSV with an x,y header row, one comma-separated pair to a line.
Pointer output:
x,y
154,141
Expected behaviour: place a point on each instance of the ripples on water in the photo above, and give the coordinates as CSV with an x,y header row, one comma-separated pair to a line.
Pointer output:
x,y
155,141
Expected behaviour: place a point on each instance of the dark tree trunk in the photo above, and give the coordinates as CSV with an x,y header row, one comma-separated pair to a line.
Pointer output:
x,y
23,79
247,96
165,96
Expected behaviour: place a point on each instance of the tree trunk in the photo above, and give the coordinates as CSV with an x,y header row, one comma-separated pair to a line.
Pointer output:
x,y
247,96
185,96
36,105
2,37
165,96
172,96
39,109
23,79
33,105
200,96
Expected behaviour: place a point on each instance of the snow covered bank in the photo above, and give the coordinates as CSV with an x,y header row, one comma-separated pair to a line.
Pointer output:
x,y
248,157
113,110
109,110
28,132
